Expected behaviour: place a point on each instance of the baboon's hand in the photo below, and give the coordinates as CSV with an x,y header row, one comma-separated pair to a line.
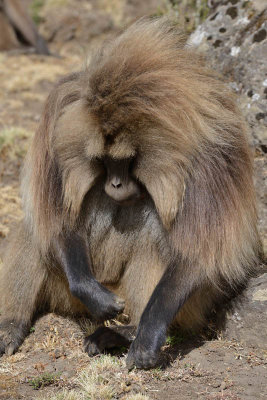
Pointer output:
x,y
106,305
145,349
141,356
12,335
101,303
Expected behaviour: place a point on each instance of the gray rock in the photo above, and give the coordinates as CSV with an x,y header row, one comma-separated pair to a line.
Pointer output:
x,y
248,324
234,38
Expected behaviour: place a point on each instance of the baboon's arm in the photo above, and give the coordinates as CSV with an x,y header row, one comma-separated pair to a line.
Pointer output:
x,y
73,255
175,287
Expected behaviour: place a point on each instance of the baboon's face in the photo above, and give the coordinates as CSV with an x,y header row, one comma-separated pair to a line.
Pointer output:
x,y
120,184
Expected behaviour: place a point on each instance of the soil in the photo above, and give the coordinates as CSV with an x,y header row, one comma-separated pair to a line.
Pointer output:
x,y
195,369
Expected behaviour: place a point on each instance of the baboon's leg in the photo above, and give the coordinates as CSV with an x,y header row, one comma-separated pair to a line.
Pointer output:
x,y
180,280
197,309
109,337
73,255
21,280
137,284
139,281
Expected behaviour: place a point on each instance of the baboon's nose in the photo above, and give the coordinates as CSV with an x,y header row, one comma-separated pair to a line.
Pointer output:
x,y
116,183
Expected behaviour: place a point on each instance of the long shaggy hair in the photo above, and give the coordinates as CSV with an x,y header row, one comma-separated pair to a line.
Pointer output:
x,y
147,93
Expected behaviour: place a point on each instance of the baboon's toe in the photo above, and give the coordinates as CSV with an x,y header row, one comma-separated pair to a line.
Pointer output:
x,y
91,348
120,304
10,349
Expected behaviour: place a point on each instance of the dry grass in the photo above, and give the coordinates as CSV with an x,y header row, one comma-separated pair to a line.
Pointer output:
x,y
52,5
13,146
56,3
38,7
5,368
97,381
75,395
10,209
88,327
115,8
13,142
32,71
52,339
33,74
65,395
104,379
137,396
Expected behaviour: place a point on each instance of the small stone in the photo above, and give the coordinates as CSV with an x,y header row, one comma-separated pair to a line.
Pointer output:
x,y
68,374
57,354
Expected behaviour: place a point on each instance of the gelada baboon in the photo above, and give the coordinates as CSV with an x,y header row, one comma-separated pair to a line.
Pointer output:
x,y
16,26
137,186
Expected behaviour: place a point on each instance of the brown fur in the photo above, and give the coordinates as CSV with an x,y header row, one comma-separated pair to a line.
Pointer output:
x,y
148,95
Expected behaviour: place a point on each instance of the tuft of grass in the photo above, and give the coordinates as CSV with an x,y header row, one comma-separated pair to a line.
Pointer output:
x,y
157,373
73,395
137,396
5,367
174,339
56,3
203,10
97,380
36,7
104,379
65,395
87,326
43,380
13,142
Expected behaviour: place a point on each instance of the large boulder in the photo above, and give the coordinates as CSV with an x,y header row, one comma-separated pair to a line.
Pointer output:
x,y
248,324
234,38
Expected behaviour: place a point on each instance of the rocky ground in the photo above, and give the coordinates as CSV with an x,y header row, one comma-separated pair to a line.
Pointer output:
x,y
51,363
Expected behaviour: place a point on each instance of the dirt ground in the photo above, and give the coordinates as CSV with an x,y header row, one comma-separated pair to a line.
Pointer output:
x,y
51,362
196,369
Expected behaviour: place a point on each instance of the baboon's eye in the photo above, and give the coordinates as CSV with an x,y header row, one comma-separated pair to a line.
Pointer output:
x,y
109,140
98,159
132,164
98,162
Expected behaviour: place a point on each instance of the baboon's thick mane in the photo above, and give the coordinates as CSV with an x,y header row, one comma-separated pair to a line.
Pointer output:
x,y
148,95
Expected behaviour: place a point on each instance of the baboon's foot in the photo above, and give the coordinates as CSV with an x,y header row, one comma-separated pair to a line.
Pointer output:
x,y
12,334
107,338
